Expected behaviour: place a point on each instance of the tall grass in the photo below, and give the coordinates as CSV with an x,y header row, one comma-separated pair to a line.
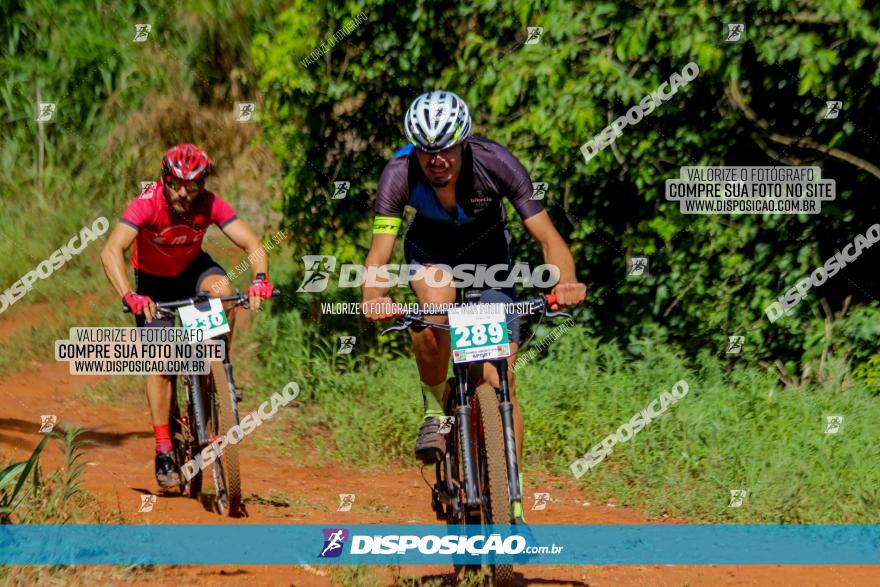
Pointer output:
x,y
28,497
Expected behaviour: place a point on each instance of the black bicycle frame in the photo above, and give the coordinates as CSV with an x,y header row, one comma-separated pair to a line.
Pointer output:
x,y
463,415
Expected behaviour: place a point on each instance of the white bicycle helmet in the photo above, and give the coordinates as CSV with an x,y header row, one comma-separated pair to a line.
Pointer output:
x,y
436,121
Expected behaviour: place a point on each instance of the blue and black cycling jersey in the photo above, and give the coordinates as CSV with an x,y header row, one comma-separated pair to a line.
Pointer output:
x,y
476,232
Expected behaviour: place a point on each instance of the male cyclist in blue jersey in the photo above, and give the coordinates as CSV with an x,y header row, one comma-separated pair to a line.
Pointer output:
x,y
456,183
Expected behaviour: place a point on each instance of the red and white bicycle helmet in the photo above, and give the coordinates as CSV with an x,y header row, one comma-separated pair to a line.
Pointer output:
x,y
186,162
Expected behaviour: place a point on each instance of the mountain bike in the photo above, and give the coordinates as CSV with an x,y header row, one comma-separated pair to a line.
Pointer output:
x,y
477,480
208,407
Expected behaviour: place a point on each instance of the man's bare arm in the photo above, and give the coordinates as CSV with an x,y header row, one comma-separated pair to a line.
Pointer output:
x,y
568,291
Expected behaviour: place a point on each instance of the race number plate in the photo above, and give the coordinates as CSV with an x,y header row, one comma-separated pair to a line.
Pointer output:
x,y
479,333
211,321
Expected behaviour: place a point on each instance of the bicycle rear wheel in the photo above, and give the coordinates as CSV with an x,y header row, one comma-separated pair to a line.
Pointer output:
x,y
227,477
496,497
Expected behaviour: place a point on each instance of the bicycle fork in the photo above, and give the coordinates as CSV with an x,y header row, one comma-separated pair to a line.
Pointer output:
x,y
195,391
506,408
463,416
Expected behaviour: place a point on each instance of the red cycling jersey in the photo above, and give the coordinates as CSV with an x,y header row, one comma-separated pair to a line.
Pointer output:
x,y
168,241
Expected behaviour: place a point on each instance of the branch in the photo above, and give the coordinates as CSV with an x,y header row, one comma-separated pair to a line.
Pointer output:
x,y
735,96
775,155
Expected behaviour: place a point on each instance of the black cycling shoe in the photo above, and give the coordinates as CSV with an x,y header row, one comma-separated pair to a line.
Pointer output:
x,y
166,470
431,444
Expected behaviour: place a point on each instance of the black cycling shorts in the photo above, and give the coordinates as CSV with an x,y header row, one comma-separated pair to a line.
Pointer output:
x,y
165,288
431,243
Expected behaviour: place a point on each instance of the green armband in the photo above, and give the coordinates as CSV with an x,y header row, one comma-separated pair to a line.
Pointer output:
x,y
386,225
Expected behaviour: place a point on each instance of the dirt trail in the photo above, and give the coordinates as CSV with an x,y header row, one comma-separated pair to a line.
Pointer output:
x,y
120,470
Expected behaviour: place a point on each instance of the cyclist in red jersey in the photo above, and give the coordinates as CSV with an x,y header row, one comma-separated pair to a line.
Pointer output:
x,y
166,223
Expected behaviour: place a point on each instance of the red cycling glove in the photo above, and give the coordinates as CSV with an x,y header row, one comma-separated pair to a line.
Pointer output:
x,y
260,287
136,302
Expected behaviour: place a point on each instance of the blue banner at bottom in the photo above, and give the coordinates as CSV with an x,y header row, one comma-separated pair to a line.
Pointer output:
x,y
678,544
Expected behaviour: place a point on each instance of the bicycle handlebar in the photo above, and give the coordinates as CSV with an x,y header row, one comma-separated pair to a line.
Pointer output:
x,y
238,297
540,305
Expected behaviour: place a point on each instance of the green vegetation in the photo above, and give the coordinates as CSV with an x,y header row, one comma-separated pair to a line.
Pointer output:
x,y
754,421
26,497
711,276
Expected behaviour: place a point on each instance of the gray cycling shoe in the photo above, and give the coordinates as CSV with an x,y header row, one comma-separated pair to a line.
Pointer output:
x,y
431,444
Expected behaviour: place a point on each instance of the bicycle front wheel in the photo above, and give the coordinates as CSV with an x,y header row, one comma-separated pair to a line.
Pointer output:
x,y
227,477
496,497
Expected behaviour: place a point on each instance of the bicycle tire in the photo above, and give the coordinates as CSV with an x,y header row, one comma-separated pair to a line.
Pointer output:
x,y
497,500
461,571
226,420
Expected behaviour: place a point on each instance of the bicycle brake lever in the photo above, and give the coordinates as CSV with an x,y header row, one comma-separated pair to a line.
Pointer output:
x,y
556,314
395,328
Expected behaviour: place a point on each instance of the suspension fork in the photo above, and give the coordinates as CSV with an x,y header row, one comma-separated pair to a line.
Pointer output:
x,y
195,398
463,417
227,366
506,407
